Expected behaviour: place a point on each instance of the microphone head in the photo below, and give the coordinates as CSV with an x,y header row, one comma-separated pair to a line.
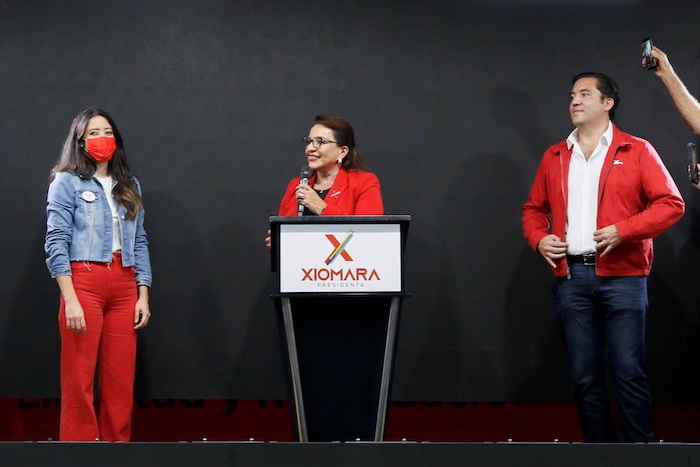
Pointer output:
x,y
305,173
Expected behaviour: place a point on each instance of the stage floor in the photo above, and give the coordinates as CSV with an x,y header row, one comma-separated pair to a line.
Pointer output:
x,y
361,454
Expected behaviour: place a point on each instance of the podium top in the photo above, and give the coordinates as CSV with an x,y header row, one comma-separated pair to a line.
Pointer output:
x,y
384,219
335,255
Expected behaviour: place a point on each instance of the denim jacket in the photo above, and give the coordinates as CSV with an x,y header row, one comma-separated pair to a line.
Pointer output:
x,y
79,228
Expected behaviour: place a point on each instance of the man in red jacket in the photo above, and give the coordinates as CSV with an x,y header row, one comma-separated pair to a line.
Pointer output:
x,y
598,199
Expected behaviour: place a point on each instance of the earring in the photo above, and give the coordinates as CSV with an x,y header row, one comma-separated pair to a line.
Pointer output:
x,y
340,160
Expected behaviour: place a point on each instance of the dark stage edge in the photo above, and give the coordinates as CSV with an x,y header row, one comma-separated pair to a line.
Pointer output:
x,y
365,454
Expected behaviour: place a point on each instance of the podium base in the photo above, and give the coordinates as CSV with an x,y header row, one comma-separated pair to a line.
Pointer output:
x,y
340,359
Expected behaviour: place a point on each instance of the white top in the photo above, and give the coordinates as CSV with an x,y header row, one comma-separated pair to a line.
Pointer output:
x,y
106,183
582,206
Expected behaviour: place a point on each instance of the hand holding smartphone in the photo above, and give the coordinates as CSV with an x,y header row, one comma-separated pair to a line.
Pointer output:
x,y
693,174
650,61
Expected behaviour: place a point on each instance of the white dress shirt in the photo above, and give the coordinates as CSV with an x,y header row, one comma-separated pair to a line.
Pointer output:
x,y
582,206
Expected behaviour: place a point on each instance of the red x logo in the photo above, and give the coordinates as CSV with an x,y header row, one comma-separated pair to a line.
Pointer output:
x,y
331,238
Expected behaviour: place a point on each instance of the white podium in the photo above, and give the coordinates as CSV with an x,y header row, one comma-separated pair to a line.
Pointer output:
x,y
340,285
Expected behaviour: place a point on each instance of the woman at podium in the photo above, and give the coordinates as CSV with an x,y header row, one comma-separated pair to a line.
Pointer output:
x,y
341,184
336,342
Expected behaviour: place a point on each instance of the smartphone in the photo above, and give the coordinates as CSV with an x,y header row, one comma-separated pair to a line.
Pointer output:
x,y
693,174
646,47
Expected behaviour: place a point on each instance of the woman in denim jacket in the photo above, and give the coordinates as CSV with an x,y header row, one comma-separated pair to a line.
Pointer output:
x,y
98,253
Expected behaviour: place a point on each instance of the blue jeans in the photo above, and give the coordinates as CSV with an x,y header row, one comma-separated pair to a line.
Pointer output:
x,y
605,317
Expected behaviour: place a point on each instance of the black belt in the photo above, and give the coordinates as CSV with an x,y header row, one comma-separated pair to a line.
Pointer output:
x,y
588,259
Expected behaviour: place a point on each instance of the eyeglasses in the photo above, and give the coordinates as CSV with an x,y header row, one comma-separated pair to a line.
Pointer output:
x,y
317,141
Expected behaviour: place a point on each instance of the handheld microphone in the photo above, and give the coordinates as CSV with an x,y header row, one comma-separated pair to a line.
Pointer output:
x,y
304,177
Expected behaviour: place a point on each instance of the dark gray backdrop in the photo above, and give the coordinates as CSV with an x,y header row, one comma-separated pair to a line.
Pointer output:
x,y
453,103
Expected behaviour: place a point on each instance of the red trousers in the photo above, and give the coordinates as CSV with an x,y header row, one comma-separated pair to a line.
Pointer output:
x,y
108,294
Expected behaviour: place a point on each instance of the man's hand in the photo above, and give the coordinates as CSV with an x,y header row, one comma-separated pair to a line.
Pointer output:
x,y
696,185
663,65
607,238
552,248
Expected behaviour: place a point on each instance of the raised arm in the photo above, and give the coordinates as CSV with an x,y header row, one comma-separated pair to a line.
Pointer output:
x,y
686,103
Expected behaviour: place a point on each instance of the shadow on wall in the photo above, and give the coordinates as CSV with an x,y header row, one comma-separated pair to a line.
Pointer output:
x,y
258,357
259,364
535,359
184,335
31,345
460,335
678,316
429,329
521,118
688,267
535,352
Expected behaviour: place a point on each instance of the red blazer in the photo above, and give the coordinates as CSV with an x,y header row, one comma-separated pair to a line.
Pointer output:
x,y
352,193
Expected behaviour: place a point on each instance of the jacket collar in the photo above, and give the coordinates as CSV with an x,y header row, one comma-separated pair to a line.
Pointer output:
x,y
619,139
340,185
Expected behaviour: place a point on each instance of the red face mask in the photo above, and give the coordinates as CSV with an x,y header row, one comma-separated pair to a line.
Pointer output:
x,y
101,148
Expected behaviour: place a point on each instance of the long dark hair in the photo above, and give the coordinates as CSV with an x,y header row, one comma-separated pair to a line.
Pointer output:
x,y
345,136
74,158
